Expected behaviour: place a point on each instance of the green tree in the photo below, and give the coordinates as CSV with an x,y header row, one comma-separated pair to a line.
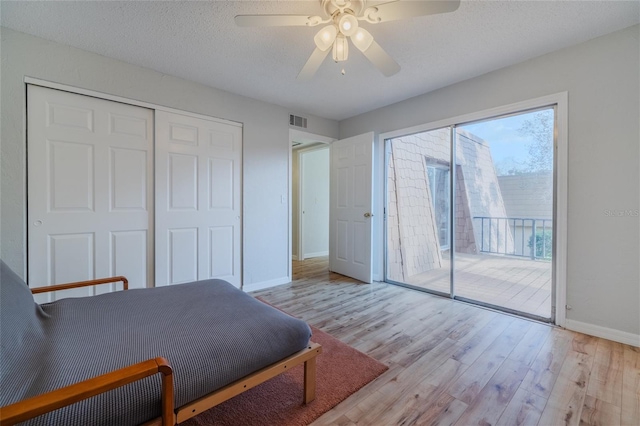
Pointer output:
x,y
540,128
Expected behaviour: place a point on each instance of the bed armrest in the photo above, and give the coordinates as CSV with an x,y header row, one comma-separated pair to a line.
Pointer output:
x,y
37,405
125,284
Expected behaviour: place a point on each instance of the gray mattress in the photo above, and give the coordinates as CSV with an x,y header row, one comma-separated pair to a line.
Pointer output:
x,y
212,334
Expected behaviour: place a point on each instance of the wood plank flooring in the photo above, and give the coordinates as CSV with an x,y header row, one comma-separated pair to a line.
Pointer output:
x,y
516,283
455,364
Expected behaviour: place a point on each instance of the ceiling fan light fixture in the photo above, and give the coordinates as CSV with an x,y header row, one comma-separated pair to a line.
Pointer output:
x,y
348,24
362,39
325,37
343,18
340,48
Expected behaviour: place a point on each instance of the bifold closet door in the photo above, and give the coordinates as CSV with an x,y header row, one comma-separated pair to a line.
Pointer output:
x,y
89,191
198,199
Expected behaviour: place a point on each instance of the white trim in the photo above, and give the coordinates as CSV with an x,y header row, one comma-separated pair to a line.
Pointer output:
x,y
603,332
290,209
298,134
562,161
380,195
25,189
300,229
265,284
316,254
562,201
106,96
478,116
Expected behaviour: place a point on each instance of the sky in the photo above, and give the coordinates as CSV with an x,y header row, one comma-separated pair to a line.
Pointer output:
x,y
504,138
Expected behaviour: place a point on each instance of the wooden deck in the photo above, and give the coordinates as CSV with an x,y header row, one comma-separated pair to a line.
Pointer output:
x,y
453,363
516,283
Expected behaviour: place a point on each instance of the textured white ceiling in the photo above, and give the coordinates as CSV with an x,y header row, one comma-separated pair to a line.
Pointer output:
x,y
199,41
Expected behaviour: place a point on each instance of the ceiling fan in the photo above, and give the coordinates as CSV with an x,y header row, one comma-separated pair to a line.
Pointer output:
x,y
342,19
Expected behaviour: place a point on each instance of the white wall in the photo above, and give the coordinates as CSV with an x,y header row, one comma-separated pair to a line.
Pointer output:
x,y
315,202
602,78
265,137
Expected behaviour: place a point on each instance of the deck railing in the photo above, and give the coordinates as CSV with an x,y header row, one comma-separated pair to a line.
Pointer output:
x,y
513,235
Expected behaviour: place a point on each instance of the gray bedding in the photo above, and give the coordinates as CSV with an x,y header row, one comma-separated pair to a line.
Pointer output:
x,y
212,334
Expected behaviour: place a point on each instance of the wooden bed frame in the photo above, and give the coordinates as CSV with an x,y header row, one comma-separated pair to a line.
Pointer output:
x,y
41,404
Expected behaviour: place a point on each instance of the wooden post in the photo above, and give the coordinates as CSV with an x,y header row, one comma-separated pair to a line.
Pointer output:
x,y
309,380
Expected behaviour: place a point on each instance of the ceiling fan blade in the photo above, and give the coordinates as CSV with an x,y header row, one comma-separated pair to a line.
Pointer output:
x,y
276,20
381,59
313,63
408,9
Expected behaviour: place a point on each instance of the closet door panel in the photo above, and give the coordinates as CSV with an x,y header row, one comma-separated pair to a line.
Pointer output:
x,y
89,190
129,257
198,193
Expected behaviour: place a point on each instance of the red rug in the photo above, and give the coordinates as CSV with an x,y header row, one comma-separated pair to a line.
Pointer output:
x,y
341,371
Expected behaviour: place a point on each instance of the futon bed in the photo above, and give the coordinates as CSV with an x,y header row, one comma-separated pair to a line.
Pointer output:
x,y
211,335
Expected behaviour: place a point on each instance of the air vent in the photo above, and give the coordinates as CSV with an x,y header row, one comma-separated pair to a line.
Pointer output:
x,y
294,120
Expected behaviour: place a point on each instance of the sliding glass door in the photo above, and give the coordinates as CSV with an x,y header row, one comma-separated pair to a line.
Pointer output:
x,y
490,240
506,166
418,210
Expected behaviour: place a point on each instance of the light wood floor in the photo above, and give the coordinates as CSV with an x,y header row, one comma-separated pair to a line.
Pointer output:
x,y
453,363
513,282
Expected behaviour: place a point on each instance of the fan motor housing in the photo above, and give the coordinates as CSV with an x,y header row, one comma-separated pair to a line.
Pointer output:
x,y
330,6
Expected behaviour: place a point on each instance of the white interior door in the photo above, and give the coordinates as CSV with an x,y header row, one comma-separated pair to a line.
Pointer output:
x,y
198,199
89,191
351,223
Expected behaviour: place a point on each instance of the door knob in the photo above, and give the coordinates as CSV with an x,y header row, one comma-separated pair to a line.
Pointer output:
x,y
368,214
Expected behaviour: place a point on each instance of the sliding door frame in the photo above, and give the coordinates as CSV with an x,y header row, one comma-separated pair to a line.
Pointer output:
x,y
559,102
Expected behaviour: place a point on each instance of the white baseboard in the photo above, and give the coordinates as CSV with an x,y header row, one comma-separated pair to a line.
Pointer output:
x,y
317,254
294,257
604,332
265,284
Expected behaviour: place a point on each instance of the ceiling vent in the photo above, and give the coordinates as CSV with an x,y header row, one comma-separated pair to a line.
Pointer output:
x,y
294,120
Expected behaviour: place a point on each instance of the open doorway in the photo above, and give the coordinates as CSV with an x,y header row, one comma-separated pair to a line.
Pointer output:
x,y
310,179
311,202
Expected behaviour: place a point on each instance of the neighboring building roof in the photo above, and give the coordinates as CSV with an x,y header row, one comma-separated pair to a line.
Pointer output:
x,y
528,195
